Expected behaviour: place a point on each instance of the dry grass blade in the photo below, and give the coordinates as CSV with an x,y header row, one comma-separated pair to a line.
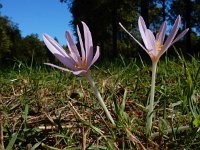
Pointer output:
x,y
75,111
85,132
1,132
134,139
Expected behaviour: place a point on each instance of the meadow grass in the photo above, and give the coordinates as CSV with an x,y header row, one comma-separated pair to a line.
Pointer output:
x,y
45,108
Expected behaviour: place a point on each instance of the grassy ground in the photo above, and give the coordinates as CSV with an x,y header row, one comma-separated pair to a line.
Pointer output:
x,y
45,108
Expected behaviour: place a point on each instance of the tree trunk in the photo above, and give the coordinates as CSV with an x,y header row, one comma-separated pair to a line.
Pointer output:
x,y
114,29
188,25
102,50
144,11
163,10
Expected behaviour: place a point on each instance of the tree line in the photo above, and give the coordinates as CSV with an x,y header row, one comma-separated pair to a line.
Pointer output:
x,y
102,17
14,47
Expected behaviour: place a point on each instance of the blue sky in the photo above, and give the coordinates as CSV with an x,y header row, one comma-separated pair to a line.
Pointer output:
x,y
39,16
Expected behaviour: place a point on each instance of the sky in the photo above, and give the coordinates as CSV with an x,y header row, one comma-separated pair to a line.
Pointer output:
x,y
39,16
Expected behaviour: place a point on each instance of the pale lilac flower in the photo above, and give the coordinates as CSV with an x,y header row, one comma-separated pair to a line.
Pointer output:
x,y
155,46
76,62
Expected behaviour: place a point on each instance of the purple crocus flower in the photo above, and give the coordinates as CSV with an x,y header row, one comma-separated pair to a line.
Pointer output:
x,y
155,46
77,63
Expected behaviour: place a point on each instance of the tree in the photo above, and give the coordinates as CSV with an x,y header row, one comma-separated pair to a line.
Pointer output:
x,y
114,28
13,47
189,11
102,16
32,50
9,38
196,15
1,6
145,11
188,25
5,44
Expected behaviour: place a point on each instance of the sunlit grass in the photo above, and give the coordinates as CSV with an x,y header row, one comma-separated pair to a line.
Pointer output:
x,y
46,107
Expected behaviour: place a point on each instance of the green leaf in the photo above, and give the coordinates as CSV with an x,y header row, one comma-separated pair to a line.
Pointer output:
x,y
124,100
196,121
26,112
35,146
49,147
12,141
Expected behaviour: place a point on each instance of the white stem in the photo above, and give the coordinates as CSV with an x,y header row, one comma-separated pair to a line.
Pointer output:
x,y
169,131
151,105
98,95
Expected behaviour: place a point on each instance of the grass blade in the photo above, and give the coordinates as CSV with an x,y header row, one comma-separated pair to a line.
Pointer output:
x,y
12,141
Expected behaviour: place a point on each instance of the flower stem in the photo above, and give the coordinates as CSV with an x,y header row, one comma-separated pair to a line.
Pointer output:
x,y
151,105
98,95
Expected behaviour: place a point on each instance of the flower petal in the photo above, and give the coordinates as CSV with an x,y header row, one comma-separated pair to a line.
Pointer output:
x,y
142,29
172,34
58,67
53,46
79,72
72,47
88,43
69,63
133,37
151,41
96,56
180,35
81,44
161,34
58,51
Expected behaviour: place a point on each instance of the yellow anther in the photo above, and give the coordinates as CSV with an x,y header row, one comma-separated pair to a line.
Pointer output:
x,y
82,66
159,46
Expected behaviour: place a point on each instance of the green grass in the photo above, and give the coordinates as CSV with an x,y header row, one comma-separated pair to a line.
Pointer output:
x,y
36,113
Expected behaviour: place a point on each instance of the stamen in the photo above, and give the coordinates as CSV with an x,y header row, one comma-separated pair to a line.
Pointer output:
x,y
159,46
81,66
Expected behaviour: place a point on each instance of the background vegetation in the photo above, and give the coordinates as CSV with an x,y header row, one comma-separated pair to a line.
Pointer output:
x,y
103,16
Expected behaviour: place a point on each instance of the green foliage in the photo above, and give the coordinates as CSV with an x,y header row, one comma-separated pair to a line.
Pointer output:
x,y
13,47
38,98
196,121
9,34
102,17
5,44
31,49
190,89
180,7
